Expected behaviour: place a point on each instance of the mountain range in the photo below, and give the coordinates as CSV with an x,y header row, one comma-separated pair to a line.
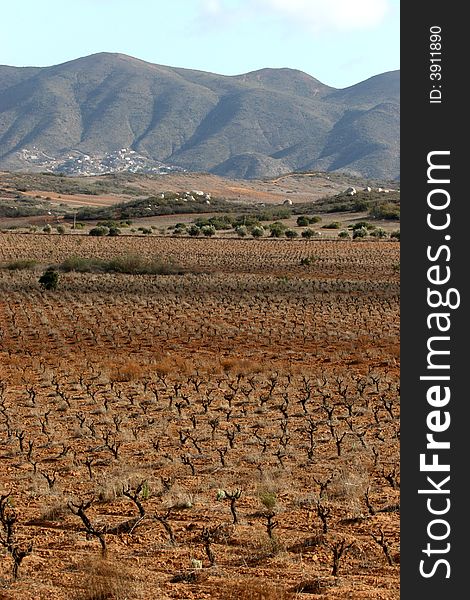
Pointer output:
x,y
259,124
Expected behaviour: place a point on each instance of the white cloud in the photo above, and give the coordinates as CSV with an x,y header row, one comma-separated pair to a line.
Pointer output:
x,y
212,7
330,15
319,16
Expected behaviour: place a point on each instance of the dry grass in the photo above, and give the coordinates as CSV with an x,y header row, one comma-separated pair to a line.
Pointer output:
x,y
106,580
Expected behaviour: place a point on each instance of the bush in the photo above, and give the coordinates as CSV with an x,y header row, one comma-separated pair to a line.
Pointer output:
x,y
208,230
268,499
303,221
332,225
223,222
49,280
360,205
98,231
344,234
386,210
379,233
360,233
277,229
194,231
113,231
248,220
290,233
308,233
395,235
60,229
257,231
241,231
361,224
47,229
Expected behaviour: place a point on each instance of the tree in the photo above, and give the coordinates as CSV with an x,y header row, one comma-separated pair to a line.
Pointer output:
x,y
49,280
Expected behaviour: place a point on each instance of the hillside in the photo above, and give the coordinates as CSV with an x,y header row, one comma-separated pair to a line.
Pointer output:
x,y
76,117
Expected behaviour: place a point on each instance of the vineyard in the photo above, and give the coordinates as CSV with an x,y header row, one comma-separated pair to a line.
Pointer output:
x,y
229,429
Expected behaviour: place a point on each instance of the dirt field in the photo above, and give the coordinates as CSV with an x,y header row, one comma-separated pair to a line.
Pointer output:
x,y
230,432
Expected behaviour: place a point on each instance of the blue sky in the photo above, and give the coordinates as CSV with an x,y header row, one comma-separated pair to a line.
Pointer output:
x,y
340,42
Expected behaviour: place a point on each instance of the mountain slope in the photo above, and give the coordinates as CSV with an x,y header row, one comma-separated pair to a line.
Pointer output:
x,y
257,124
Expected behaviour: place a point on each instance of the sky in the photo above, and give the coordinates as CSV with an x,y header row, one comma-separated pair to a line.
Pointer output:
x,y
340,42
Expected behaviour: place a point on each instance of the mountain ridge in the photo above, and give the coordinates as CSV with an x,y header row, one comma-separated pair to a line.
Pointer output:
x,y
257,124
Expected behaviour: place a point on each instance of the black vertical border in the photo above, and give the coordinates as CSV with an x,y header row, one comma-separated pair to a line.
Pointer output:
x,y
427,127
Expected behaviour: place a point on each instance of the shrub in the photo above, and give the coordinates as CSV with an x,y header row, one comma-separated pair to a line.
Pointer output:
x,y
360,205
179,228
113,231
257,231
223,222
248,220
291,233
208,230
268,499
303,221
332,225
60,229
277,229
314,219
360,233
343,234
194,231
98,231
395,235
361,224
308,233
379,233
105,579
47,229
49,280
386,210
